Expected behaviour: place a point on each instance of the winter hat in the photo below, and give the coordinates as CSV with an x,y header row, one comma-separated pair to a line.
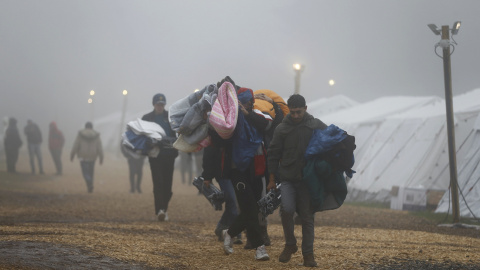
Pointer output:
x,y
245,95
159,99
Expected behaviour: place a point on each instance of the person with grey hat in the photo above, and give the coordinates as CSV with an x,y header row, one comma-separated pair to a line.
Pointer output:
x,y
162,165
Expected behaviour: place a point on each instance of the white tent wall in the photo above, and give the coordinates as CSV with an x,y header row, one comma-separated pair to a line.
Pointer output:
x,y
468,179
363,120
410,150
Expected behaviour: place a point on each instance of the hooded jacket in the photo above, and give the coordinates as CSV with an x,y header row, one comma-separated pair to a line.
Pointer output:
x,y
87,146
287,149
55,137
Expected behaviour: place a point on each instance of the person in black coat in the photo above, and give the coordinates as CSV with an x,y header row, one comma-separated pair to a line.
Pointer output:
x,y
12,144
162,165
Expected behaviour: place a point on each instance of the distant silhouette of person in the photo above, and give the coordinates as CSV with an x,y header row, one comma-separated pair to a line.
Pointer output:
x,y
12,144
135,167
34,141
55,145
186,167
87,147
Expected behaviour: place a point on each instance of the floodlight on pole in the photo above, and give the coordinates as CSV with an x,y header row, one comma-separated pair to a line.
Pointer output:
x,y
298,68
456,27
445,44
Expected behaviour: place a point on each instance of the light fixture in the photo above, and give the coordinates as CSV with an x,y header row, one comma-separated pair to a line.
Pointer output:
x,y
125,92
434,29
92,92
297,66
456,27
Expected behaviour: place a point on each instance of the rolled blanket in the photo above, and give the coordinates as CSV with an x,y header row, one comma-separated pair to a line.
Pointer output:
x,y
186,114
224,114
276,98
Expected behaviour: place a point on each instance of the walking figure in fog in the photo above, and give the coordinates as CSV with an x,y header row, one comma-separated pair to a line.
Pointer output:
x,y
55,145
34,142
135,168
186,167
162,165
286,161
12,144
87,147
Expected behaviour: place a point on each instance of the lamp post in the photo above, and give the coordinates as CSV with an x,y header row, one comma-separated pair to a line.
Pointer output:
x,y
445,44
124,109
298,68
92,107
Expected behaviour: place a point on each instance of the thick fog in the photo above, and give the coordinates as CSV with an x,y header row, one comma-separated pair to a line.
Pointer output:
x,y
53,52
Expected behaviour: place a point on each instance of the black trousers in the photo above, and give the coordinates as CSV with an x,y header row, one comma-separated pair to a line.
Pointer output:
x,y
12,158
248,191
162,176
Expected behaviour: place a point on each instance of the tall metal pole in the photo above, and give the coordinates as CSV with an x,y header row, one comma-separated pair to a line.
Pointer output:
x,y
297,81
122,119
450,126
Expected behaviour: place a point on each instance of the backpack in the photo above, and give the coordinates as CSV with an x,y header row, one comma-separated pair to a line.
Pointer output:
x,y
341,156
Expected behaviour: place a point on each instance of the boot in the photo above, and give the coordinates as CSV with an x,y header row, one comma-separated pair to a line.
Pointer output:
x,y
287,252
308,260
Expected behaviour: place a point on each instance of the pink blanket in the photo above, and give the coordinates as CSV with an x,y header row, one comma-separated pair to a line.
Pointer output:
x,y
224,114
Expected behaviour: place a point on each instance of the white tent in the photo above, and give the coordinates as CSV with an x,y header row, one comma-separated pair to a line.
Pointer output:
x,y
468,179
410,150
363,120
324,106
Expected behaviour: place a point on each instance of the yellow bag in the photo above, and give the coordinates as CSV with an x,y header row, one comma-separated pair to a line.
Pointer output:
x,y
276,98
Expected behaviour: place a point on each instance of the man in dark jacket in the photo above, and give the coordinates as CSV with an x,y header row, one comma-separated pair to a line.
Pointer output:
x,y
286,160
162,165
34,141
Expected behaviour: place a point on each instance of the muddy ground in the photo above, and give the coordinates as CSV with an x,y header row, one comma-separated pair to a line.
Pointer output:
x,y
51,222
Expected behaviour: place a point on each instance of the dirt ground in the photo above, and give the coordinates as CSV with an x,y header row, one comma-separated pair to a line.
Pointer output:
x,y
51,222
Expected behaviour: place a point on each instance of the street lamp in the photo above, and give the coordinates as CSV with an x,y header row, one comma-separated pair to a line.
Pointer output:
x,y
122,119
92,107
331,82
298,68
445,44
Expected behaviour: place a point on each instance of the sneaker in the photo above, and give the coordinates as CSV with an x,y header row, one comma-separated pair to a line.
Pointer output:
x,y
227,242
309,261
162,215
261,254
287,252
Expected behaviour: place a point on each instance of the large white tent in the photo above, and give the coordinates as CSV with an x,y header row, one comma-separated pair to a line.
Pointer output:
x,y
363,120
468,179
324,106
410,150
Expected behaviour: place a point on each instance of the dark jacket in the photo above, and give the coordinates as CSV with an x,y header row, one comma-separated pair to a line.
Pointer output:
x,y
12,141
166,148
32,131
217,158
287,148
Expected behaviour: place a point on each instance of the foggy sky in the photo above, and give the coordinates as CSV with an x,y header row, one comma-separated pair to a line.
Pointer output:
x,y
53,52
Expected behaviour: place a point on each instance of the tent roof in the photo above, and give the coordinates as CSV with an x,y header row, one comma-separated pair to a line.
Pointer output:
x,y
376,110
324,106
